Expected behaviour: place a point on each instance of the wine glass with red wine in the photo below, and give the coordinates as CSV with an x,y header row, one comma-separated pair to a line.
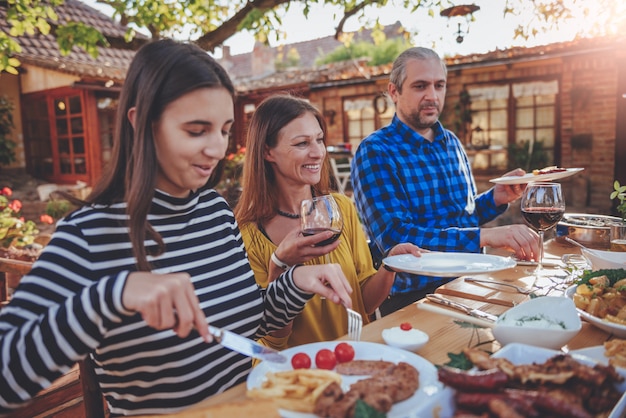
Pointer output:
x,y
542,208
320,214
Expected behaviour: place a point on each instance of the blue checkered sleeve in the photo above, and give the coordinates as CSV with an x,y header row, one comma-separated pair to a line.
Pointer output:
x,y
408,189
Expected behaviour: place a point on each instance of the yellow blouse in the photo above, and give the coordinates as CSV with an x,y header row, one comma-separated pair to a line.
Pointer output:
x,y
321,319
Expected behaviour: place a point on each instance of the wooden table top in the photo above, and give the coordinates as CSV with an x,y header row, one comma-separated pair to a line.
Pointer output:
x,y
446,336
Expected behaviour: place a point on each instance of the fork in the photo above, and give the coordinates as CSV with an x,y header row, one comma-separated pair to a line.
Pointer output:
x,y
355,324
519,289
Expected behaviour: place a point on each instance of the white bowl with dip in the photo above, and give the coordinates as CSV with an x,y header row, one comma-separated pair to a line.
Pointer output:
x,y
600,259
546,321
410,340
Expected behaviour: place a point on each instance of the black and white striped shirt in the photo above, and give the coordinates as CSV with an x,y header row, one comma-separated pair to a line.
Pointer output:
x,y
70,305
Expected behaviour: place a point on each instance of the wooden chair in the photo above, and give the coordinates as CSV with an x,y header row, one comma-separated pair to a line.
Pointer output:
x,y
341,171
63,392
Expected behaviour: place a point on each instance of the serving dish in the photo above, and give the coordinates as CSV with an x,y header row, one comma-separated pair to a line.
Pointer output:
x,y
442,405
547,321
588,229
600,259
449,264
429,384
611,327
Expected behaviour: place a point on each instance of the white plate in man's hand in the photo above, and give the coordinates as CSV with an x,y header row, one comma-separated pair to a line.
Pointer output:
x,y
449,264
529,177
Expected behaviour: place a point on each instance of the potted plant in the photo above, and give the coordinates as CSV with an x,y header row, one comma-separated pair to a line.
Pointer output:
x,y
619,193
618,229
17,235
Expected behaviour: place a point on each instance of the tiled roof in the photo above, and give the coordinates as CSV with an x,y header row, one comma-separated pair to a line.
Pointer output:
x,y
240,66
43,51
355,72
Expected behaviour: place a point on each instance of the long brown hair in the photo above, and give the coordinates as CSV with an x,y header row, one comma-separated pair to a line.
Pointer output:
x,y
160,73
258,201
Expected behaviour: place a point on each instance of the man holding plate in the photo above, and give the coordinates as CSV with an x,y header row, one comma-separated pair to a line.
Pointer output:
x,y
412,182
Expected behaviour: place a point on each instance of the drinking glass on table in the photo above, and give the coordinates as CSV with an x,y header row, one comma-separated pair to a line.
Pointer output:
x,y
320,214
542,207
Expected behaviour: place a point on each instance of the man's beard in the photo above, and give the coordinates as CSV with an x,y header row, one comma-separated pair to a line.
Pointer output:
x,y
422,122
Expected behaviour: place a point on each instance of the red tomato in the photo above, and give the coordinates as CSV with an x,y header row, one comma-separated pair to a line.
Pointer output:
x,y
344,352
405,326
301,361
325,359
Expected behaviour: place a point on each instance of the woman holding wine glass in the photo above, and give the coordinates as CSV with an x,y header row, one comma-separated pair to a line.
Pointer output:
x,y
542,207
285,165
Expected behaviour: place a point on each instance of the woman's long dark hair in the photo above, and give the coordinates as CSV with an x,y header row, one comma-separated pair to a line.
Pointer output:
x,y
161,72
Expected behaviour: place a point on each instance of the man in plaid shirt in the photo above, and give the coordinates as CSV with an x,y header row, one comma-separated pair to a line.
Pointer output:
x,y
412,181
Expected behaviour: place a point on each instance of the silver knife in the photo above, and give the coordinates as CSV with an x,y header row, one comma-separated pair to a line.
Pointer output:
x,y
245,345
464,308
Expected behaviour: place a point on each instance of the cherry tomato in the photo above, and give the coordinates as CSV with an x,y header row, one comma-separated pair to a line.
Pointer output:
x,y
344,352
405,326
301,361
325,359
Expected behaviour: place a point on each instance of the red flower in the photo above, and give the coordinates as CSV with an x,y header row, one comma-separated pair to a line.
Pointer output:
x,y
15,206
47,219
6,191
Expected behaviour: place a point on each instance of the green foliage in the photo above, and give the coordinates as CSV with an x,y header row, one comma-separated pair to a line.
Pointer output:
x,y
459,361
614,275
78,34
378,54
363,410
519,155
7,146
58,208
14,230
619,193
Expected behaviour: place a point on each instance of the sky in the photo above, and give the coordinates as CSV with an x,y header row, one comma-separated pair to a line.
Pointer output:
x,y
489,31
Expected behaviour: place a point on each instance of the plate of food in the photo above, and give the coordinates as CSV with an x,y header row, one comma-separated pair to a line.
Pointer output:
x,y
474,390
545,174
612,352
449,264
415,376
599,300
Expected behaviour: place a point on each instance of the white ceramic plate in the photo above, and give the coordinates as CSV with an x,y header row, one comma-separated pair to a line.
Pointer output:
x,y
442,406
615,329
429,384
597,353
449,264
528,177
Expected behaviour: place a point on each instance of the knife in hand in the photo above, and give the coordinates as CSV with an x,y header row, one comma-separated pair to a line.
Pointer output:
x,y
245,345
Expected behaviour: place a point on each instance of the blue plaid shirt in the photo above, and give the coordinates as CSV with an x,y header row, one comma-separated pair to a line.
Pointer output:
x,y
408,189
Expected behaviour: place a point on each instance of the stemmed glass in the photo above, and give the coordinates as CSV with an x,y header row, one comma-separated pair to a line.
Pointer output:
x,y
542,208
319,214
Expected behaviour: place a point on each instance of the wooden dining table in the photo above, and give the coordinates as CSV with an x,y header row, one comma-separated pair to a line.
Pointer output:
x,y
446,334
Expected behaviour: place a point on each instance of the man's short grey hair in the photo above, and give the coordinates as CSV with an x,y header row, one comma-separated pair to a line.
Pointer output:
x,y
398,71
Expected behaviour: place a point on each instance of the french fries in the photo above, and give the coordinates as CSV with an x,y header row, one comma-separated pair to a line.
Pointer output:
x,y
615,350
295,390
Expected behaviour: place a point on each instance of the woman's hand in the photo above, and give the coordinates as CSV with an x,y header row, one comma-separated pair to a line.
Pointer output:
x,y
295,248
406,248
326,280
505,193
166,301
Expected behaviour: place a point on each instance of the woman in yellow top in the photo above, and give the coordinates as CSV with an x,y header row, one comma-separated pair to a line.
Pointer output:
x,y
286,163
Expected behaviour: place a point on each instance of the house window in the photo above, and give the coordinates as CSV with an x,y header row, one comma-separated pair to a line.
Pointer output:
x,y
55,136
364,115
518,116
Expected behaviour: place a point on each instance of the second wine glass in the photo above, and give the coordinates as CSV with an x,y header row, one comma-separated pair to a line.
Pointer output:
x,y
542,207
320,214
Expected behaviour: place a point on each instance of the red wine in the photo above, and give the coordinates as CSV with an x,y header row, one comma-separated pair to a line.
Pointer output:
x,y
542,219
312,231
